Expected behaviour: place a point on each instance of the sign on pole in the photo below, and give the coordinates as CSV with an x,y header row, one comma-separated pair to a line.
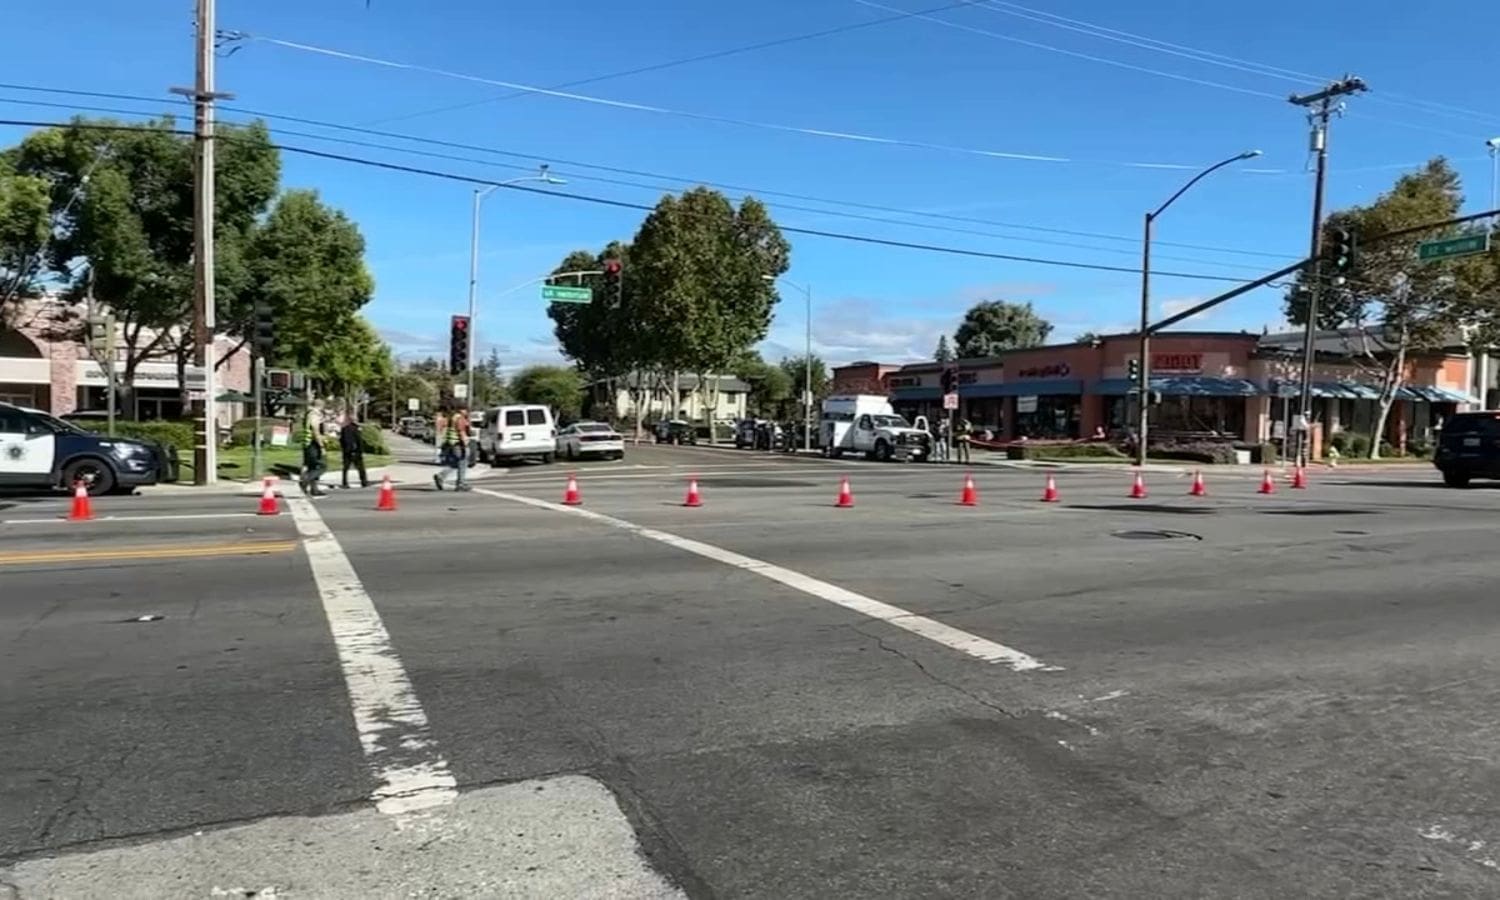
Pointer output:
x,y
1447,248
561,293
950,401
460,391
413,404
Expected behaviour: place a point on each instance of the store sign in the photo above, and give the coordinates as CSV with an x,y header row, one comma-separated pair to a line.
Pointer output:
x,y
1055,370
968,377
901,381
1026,404
1177,362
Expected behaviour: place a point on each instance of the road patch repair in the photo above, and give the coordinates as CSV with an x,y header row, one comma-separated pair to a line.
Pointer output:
x,y
542,839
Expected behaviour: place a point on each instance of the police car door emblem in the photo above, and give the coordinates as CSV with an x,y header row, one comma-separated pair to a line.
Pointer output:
x,y
15,452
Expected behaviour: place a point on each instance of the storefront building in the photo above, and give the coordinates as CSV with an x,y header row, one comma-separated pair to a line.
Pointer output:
x,y
1212,386
41,368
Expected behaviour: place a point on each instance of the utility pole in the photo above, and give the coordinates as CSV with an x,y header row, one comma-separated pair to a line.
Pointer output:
x,y
1322,108
206,440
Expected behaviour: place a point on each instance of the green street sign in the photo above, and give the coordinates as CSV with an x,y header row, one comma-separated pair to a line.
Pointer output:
x,y
1468,245
559,293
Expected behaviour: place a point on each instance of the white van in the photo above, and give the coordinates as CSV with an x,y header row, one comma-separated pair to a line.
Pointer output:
x,y
517,432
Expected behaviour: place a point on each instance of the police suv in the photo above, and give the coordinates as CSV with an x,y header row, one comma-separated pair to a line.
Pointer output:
x,y
41,451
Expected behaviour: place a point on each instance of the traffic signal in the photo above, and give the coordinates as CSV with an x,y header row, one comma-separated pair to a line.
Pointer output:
x,y
1134,369
614,279
949,380
458,345
1340,252
265,330
102,337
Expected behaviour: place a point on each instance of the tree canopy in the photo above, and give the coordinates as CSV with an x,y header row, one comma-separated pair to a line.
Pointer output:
x,y
943,353
994,326
555,386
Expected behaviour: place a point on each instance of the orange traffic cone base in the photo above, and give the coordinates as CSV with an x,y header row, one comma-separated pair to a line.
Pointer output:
x,y
1138,488
1049,493
693,498
386,502
970,495
268,504
1199,489
846,496
571,494
1267,486
83,506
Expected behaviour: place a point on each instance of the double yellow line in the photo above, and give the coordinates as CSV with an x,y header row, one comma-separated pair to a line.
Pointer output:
x,y
111,554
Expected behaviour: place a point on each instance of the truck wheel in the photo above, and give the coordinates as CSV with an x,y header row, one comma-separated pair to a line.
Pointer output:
x,y
94,473
883,451
1456,479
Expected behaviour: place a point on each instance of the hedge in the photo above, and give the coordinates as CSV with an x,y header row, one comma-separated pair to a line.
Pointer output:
x,y
374,438
178,435
1200,452
1061,450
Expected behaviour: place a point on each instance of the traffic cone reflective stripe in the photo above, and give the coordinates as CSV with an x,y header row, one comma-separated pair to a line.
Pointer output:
x,y
970,496
1299,479
1199,489
386,502
1049,493
571,495
1138,487
268,504
693,498
1267,485
83,506
846,496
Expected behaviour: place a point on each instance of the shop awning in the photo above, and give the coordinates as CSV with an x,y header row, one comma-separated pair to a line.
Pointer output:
x,y
1432,394
1037,387
1341,390
1182,386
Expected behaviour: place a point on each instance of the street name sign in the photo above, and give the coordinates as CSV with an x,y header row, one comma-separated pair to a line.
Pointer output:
x,y
950,401
560,293
1469,244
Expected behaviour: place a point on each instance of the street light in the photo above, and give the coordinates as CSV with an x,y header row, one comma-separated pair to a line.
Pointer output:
x,y
807,394
1144,376
542,175
1494,145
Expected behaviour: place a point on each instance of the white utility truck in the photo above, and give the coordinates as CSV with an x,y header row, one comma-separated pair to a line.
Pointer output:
x,y
866,423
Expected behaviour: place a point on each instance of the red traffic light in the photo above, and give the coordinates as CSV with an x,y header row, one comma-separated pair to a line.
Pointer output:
x,y
611,267
460,323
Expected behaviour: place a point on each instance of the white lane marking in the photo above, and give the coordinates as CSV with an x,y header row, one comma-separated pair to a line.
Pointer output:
x,y
1474,848
1112,695
53,520
948,636
392,726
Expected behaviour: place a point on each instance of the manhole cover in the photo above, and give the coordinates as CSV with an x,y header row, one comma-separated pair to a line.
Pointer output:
x,y
1156,534
1319,512
1350,531
1146,508
923,496
753,483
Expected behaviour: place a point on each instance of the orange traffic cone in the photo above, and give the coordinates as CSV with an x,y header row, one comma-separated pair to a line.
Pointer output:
x,y
1267,486
846,496
1049,493
693,497
571,494
83,507
970,496
386,500
1138,488
268,504
1299,479
1199,489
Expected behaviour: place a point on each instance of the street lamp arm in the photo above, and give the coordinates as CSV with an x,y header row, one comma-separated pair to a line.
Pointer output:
x,y
1248,154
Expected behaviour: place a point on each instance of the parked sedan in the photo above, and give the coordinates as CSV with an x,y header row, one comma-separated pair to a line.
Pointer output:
x,y
590,439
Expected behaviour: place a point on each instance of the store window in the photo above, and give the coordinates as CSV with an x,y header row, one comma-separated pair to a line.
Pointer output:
x,y
1048,418
1206,416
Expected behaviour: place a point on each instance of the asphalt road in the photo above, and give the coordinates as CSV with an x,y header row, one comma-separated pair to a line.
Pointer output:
x,y
492,694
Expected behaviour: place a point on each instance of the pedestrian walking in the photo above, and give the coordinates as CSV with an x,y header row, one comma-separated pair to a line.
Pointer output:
x,y
439,428
314,463
961,439
455,451
352,447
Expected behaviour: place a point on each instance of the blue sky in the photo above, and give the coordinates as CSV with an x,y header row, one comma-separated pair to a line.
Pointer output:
x,y
981,82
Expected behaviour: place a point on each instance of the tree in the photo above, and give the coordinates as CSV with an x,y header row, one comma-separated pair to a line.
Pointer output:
x,y
122,215
704,273
1088,337
770,386
796,369
555,386
1391,306
25,225
489,382
306,261
994,326
943,353
350,361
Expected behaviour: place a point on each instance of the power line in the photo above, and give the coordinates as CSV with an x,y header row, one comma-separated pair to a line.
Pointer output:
x,y
672,64
622,204
617,170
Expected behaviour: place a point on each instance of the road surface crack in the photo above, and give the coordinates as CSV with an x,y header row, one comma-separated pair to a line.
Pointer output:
x,y
936,679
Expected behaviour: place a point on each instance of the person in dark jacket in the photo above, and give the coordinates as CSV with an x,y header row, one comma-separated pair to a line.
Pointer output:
x,y
314,463
352,445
